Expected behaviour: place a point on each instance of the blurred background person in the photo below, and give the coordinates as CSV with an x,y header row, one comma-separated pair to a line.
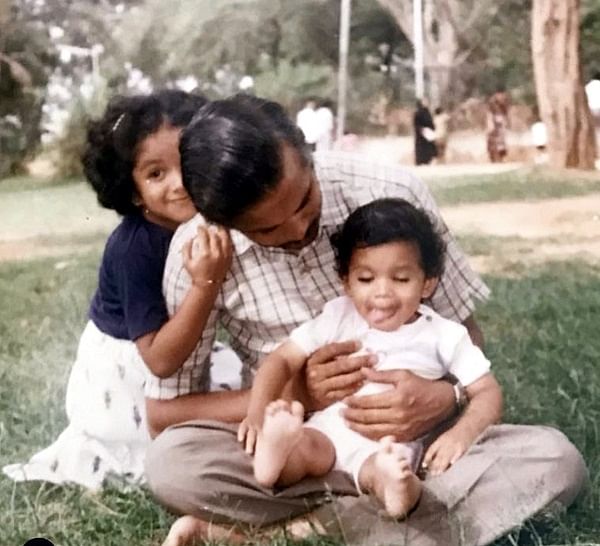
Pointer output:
x,y
592,91
325,123
308,122
441,122
539,138
497,124
424,134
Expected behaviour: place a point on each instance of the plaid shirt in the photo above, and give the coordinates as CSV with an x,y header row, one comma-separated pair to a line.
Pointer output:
x,y
269,291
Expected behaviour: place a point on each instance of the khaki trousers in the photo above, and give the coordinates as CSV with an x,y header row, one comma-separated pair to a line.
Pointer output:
x,y
509,475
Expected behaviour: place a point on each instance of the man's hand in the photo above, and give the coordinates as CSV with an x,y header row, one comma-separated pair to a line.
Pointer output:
x,y
332,374
413,407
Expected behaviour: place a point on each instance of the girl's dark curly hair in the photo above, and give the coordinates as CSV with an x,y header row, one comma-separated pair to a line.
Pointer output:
x,y
385,221
113,140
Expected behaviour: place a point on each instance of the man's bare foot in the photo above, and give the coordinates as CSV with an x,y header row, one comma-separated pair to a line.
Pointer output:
x,y
395,484
282,428
188,530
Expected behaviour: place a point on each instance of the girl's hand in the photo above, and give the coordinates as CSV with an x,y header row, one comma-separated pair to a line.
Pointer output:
x,y
207,257
446,450
247,433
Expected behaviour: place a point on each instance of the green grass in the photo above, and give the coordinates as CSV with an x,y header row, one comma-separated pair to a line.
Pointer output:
x,y
41,318
68,209
541,329
526,184
26,183
542,337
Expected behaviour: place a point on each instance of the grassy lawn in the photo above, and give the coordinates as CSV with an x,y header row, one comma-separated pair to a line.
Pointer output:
x,y
526,184
541,330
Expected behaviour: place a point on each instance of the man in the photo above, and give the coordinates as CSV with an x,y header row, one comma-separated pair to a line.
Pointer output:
x,y
246,166
424,129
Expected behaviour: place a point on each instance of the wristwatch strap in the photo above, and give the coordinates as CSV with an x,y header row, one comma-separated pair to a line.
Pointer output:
x,y
460,396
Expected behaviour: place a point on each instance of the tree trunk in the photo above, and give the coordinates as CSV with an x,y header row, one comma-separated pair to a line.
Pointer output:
x,y
448,44
559,86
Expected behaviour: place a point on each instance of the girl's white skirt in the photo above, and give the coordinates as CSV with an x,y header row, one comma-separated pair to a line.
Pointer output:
x,y
107,433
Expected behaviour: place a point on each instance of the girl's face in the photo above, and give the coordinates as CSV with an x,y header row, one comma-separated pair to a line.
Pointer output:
x,y
157,178
386,284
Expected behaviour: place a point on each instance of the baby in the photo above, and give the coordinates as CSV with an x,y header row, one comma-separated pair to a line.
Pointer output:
x,y
389,258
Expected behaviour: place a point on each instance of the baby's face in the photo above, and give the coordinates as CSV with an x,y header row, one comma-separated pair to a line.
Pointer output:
x,y
386,284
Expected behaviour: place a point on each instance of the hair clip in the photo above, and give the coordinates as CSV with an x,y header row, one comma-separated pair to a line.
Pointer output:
x,y
118,122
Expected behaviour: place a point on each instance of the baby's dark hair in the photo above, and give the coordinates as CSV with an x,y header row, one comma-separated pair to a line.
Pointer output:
x,y
386,221
113,140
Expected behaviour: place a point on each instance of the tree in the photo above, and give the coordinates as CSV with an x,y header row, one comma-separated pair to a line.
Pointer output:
x,y
25,61
448,34
471,46
558,80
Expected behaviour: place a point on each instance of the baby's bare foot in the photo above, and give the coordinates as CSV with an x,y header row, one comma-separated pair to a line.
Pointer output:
x,y
282,428
396,485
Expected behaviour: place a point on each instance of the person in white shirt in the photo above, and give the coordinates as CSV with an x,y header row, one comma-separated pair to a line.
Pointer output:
x,y
308,122
592,91
539,138
325,121
389,257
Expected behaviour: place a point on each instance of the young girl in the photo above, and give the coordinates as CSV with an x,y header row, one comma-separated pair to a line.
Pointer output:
x,y
132,163
389,258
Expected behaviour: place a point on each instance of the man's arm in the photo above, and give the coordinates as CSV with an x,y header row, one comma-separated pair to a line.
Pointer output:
x,y
227,406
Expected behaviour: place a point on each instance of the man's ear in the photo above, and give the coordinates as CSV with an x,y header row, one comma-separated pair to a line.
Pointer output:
x,y
429,287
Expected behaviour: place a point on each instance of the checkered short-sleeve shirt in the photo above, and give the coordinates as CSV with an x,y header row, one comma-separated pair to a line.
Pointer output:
x,y
268,291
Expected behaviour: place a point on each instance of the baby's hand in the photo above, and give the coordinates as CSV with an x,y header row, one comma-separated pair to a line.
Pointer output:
x,y
207,256
446,450
247,433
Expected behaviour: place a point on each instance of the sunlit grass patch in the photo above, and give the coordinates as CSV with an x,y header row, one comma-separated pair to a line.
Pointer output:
x,y
526,184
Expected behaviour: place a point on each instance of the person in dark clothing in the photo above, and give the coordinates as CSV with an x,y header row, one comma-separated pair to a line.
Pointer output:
x,y
425,149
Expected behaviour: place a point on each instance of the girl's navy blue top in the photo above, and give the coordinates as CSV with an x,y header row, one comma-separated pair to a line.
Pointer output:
x,y
128,302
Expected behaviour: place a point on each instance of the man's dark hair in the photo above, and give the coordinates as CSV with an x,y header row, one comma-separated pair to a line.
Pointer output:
x,y
113,141
231,155
385,221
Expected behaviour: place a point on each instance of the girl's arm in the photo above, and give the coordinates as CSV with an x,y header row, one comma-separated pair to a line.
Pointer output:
x,y
207,258
484,409
226,406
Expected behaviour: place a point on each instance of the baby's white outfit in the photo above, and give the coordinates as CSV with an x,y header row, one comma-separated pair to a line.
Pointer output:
x,y
430,347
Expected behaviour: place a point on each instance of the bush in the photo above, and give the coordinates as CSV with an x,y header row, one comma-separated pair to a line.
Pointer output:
x,y
69,146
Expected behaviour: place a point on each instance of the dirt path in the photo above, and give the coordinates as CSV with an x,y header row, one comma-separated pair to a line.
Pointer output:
x,y
532,232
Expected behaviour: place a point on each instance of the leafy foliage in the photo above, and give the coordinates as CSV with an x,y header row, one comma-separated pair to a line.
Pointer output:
x,y
290,48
